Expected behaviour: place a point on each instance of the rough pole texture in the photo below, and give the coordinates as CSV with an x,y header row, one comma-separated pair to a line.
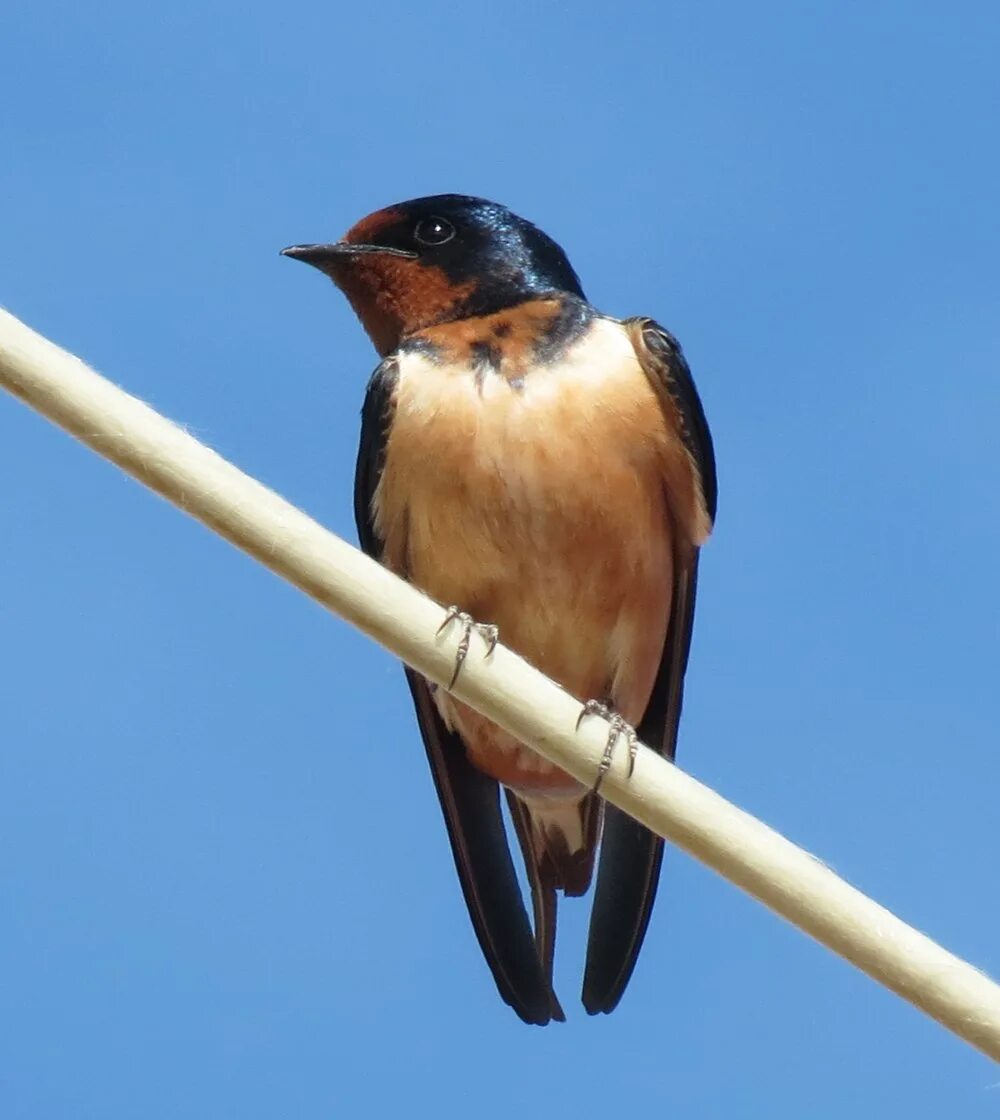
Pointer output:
x,y
502,686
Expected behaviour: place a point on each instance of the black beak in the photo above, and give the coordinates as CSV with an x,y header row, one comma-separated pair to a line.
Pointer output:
x,y
323,256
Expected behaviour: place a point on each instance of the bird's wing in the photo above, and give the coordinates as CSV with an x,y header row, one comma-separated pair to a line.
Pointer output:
x,y
630,854
469,799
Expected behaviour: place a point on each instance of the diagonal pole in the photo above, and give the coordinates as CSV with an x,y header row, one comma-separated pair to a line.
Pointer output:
x,y
502,686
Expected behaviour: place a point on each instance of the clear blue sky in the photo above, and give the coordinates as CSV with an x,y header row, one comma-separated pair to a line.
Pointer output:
x,y
215,900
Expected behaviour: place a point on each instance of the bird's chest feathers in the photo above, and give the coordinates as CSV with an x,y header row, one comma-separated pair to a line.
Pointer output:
x,y
499,474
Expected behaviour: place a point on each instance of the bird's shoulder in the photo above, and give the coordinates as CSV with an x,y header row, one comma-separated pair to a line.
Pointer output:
x,y
663,362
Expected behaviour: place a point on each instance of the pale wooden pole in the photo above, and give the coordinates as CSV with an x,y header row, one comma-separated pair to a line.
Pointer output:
x,y
503,687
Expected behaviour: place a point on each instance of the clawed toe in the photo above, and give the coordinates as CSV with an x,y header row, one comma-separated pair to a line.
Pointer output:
x,y
486,630
617,729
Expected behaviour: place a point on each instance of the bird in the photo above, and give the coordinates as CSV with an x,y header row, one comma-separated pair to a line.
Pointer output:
x,y
541,465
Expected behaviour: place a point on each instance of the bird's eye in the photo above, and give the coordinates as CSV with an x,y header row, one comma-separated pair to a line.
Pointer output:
x,y
433,231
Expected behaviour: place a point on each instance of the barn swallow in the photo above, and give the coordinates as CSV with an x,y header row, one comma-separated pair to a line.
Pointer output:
x,y
547,468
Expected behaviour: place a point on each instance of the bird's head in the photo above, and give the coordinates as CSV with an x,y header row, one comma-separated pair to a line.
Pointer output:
x,y
432,260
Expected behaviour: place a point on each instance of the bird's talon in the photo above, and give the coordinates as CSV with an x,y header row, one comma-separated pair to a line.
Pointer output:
x,y
633,748
453,614
487,631
617,729
593,708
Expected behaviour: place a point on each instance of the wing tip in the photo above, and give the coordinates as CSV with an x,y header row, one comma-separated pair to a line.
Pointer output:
x,y
603,988
627,881
471,805
537,1016
597,999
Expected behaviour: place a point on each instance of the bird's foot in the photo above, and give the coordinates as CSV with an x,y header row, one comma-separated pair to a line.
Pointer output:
x,y
487,631
617,729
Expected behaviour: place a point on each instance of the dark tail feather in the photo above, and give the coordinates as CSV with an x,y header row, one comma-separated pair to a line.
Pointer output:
x,y
543,895
558,842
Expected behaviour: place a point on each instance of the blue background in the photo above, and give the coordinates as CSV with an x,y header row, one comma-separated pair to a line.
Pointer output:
x,y
226,890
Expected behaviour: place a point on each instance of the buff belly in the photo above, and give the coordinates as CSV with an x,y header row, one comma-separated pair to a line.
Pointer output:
x,y
540,508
